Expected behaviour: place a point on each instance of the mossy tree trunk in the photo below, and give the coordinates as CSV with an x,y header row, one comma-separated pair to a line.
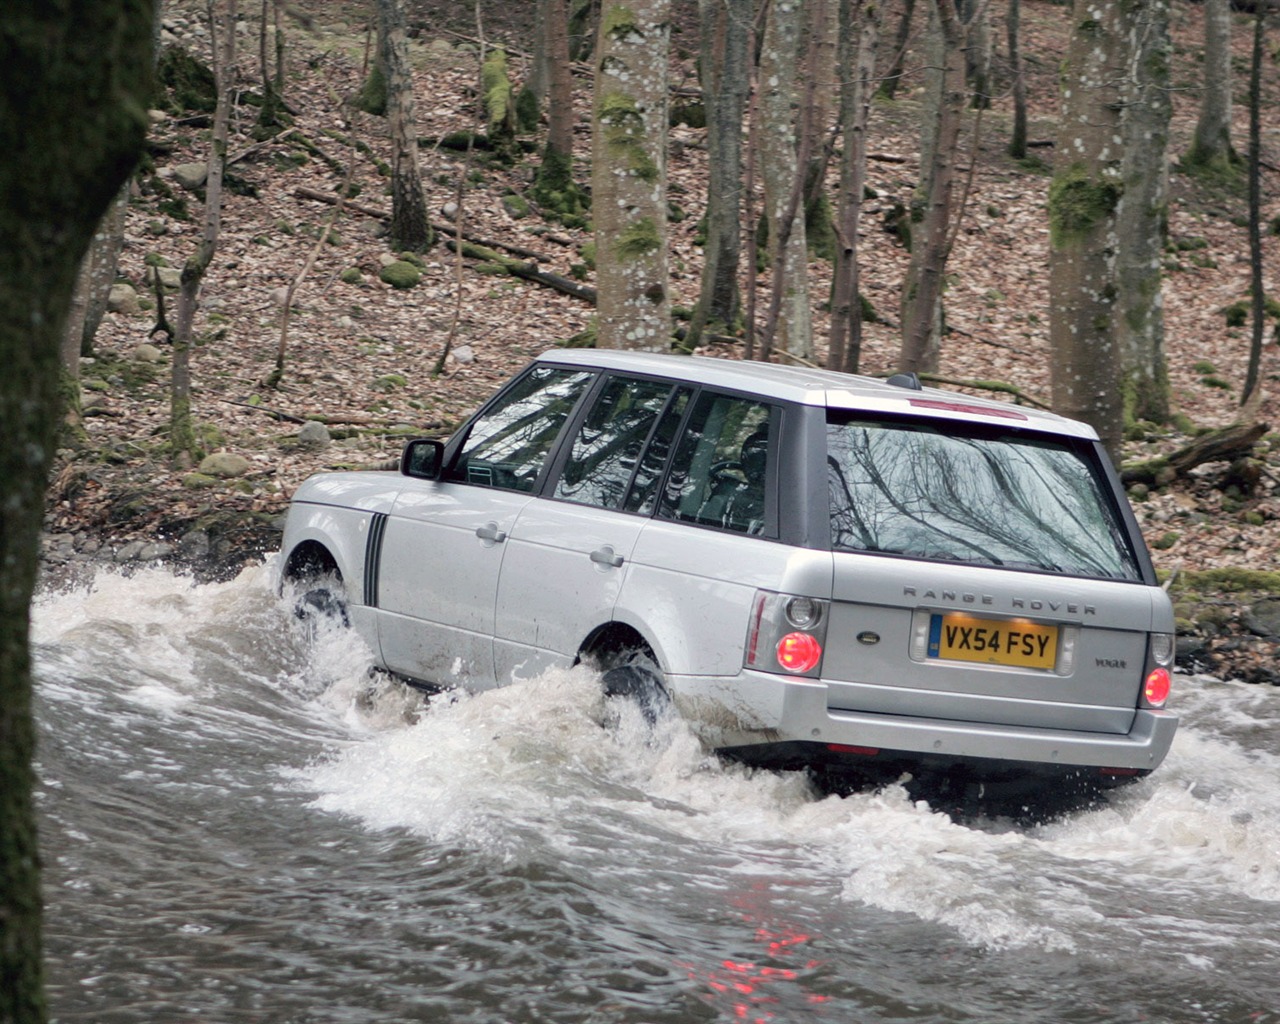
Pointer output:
x,y
1087,183
930,244
859,35
1257,293
628,174
182,437
789,324
76,81
1211,145
724,71
976,15
554,187
410,227
897,56
1142,215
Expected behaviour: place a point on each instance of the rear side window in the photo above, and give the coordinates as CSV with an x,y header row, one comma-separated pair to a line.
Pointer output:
x,y
987,499
508,444
719,471
607,447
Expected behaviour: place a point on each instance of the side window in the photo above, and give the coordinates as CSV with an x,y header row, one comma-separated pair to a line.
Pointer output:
x,y
718,473
507,446
610,440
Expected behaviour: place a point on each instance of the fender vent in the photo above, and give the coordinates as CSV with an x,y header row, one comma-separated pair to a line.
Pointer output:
x,y
373,558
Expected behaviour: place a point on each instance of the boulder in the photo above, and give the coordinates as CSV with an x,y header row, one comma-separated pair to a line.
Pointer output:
x,y
147,353
225,465
401,274
123,299
1263,618
314,435
191,176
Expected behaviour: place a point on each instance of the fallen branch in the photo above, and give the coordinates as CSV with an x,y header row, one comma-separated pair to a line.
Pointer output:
x,y
526,271
1226,444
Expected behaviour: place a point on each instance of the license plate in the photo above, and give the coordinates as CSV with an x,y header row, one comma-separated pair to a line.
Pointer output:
x,y
958,637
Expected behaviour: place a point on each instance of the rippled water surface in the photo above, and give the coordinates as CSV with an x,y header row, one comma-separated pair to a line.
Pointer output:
x,y
239,825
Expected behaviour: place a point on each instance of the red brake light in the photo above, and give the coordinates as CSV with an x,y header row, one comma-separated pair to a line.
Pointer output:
x,y
799,652
1157,687
978,410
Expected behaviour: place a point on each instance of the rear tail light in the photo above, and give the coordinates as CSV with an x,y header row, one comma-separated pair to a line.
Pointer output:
x,y
1156,689
786,633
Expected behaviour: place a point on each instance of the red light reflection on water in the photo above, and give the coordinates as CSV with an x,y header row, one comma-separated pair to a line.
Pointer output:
x,y
754,991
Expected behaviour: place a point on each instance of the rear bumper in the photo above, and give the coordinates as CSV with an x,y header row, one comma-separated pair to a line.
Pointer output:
x,y
758,709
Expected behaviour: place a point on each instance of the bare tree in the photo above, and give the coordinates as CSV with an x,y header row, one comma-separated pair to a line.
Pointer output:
x,y
897,55
1142,223
1257,293
1018,136
182,441
724,68
76,80
1087,183
859,35
931,244
410,227
554,188
1211,145
628,174
782,170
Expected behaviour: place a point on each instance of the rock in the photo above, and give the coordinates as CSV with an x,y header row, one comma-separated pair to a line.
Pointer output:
x,y
195,545
170,277
147,353
123,299
401,274
157,116
386,259
314,435
191,176
1263,618
129,552
199,481
225,465
463,355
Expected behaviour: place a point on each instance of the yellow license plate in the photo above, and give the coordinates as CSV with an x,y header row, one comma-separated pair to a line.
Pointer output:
x,y
959,637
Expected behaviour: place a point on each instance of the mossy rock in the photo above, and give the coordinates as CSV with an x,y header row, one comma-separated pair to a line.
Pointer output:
x,y
401,274
190,82
199,481
351,275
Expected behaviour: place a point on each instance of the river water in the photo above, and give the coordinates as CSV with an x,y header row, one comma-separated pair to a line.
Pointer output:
x,y
239,825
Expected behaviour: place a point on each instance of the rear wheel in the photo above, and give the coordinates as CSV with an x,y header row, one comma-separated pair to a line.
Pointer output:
x,y
633,675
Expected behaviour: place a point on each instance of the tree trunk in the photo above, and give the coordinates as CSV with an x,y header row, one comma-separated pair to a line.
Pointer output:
x,y
182,441
409,228
1142,222
554,188
790,323
1211,146
922,290
1018,136
724,68
822,90
976,16
1257,293
77,81
859,34
893,76
628,173
1087,182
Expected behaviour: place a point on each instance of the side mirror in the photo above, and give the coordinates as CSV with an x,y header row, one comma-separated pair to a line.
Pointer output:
x,y
423,458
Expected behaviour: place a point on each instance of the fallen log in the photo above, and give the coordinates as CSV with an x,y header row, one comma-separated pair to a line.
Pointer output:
x,y
1226,444
526,271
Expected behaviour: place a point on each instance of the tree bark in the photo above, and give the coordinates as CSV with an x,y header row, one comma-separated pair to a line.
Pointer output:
x,y
922,290
76,80
409,228
1142,221
1257,291
724,69
893,76
859,34
1087,182
789,325
629,159
554,188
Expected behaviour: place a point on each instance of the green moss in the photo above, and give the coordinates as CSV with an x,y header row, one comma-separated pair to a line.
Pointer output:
x,y
400,274
390,382
1078,203
527,112
619,21
1231,579
637,240
190,82
372,98
351,275
623,126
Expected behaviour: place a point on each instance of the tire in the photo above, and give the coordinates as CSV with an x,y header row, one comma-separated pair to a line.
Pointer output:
x,y
321,602
635,677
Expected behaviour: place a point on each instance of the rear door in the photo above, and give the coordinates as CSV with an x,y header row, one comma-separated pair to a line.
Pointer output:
x,y
569,551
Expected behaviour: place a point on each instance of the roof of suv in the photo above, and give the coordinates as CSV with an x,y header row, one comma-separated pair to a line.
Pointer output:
x,y
808,386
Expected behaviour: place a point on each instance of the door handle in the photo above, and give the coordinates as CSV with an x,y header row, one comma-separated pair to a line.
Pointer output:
x,y
491,532
606,556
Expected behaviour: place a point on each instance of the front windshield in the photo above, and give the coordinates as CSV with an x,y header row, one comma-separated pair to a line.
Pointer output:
x,y
987,499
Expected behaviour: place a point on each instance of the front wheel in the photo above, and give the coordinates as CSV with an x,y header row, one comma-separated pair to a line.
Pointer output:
x,y
321,601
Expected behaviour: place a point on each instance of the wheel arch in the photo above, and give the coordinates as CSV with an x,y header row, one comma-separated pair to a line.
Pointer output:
x,y
612,639
307,559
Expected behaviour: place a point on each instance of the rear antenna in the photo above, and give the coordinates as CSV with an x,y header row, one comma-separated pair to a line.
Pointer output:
x,y
905,380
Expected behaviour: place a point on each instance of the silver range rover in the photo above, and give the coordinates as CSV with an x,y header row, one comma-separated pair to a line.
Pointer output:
x,y
816,570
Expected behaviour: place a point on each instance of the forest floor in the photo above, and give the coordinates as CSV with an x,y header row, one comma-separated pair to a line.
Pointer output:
x,y
360,356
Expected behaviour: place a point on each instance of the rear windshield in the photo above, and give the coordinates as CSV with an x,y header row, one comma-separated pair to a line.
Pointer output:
x,y
984,498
